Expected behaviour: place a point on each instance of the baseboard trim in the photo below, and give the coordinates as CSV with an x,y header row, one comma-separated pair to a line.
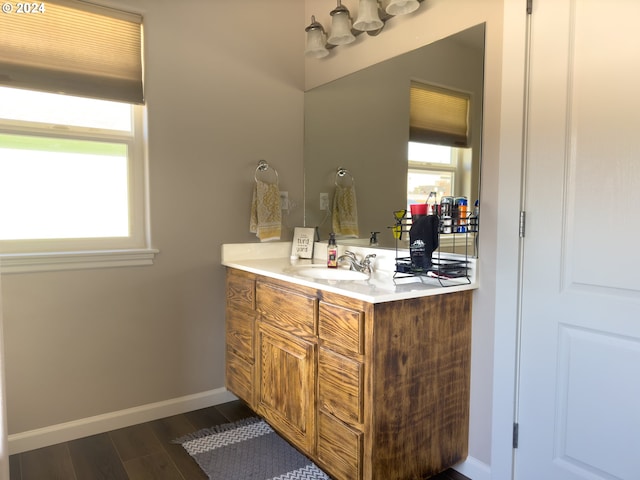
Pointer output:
x,y
474,468
63,432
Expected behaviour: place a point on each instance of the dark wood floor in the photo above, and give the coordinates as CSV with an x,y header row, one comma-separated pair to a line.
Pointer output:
x,y
140,452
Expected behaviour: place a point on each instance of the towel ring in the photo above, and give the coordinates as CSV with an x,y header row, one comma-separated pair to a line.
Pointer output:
x,y
343,172
263,166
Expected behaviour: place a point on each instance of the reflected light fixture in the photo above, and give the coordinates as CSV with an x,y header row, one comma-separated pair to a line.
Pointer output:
x,y
368,18
316,40
340,26
401,7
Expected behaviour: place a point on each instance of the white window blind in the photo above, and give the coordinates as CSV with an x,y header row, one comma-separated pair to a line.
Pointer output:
x,y
75,48
439,116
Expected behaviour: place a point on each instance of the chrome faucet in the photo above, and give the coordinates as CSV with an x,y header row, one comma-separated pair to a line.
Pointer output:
x,y
364,266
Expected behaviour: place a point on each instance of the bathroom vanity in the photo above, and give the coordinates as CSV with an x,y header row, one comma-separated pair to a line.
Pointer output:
x,y
370,381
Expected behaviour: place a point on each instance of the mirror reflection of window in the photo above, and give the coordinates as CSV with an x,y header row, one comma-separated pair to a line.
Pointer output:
x,y
438,153
431,169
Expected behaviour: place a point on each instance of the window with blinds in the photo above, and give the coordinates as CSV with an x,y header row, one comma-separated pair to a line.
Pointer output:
x,y
439,116
72,47
439,150
72,150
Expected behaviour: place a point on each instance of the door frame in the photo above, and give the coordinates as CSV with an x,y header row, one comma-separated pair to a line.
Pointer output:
x,y
509,244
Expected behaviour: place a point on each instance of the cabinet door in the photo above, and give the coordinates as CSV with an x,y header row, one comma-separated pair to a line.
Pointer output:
x,y
286,385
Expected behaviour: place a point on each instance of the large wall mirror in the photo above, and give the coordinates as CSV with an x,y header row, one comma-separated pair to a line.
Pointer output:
x,y
361,123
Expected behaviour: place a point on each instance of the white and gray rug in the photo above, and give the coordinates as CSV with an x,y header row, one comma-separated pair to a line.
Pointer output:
x,y
248,450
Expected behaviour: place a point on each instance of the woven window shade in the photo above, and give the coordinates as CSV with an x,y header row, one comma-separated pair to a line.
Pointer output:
x,y
74,48
439,116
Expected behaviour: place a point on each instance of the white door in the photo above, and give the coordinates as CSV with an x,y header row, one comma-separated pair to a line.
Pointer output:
x,y
579,386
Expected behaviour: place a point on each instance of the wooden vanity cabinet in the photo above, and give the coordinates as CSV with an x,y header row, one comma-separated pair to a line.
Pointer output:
x,y
368,391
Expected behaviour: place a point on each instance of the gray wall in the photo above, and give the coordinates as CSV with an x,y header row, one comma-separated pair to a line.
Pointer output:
x,y
220,96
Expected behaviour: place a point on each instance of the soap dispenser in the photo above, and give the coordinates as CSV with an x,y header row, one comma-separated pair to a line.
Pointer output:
x,y
332,252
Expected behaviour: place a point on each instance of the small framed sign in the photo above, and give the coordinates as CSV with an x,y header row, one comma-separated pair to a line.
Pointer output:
x,y
303,239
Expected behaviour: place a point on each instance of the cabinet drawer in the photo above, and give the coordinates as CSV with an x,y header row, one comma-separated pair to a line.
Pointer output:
x,y
241,288
340,386
290,310
339,448
239,377
341,328
240,332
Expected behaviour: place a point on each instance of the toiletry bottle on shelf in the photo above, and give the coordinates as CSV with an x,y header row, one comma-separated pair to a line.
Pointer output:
x,y
463,211
446,212
461,203
332,252
418,256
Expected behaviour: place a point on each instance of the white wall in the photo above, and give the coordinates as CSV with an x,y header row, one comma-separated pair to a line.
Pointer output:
x,y
224,88
437,19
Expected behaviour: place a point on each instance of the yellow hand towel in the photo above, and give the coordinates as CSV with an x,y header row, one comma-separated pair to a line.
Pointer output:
x,y
266,216
345,212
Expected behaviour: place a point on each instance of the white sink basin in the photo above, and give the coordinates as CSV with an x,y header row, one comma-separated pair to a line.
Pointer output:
x,y
330,273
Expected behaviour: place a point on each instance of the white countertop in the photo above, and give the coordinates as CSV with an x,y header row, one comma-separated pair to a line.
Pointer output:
x,y
273,260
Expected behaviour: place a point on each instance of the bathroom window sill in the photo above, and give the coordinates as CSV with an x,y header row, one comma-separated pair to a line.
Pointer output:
x,y
58,261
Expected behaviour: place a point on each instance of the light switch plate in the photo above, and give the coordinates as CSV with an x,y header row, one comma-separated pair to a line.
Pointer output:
x,y
284,200
324,201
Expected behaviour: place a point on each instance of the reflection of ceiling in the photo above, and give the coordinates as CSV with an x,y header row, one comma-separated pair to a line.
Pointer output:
x,y
470,38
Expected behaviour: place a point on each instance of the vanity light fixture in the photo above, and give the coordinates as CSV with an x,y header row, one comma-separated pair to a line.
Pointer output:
x,y
372,15
316,40
340,26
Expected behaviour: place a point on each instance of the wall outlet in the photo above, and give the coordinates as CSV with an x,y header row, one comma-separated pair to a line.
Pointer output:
x,y
324,201
284,200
